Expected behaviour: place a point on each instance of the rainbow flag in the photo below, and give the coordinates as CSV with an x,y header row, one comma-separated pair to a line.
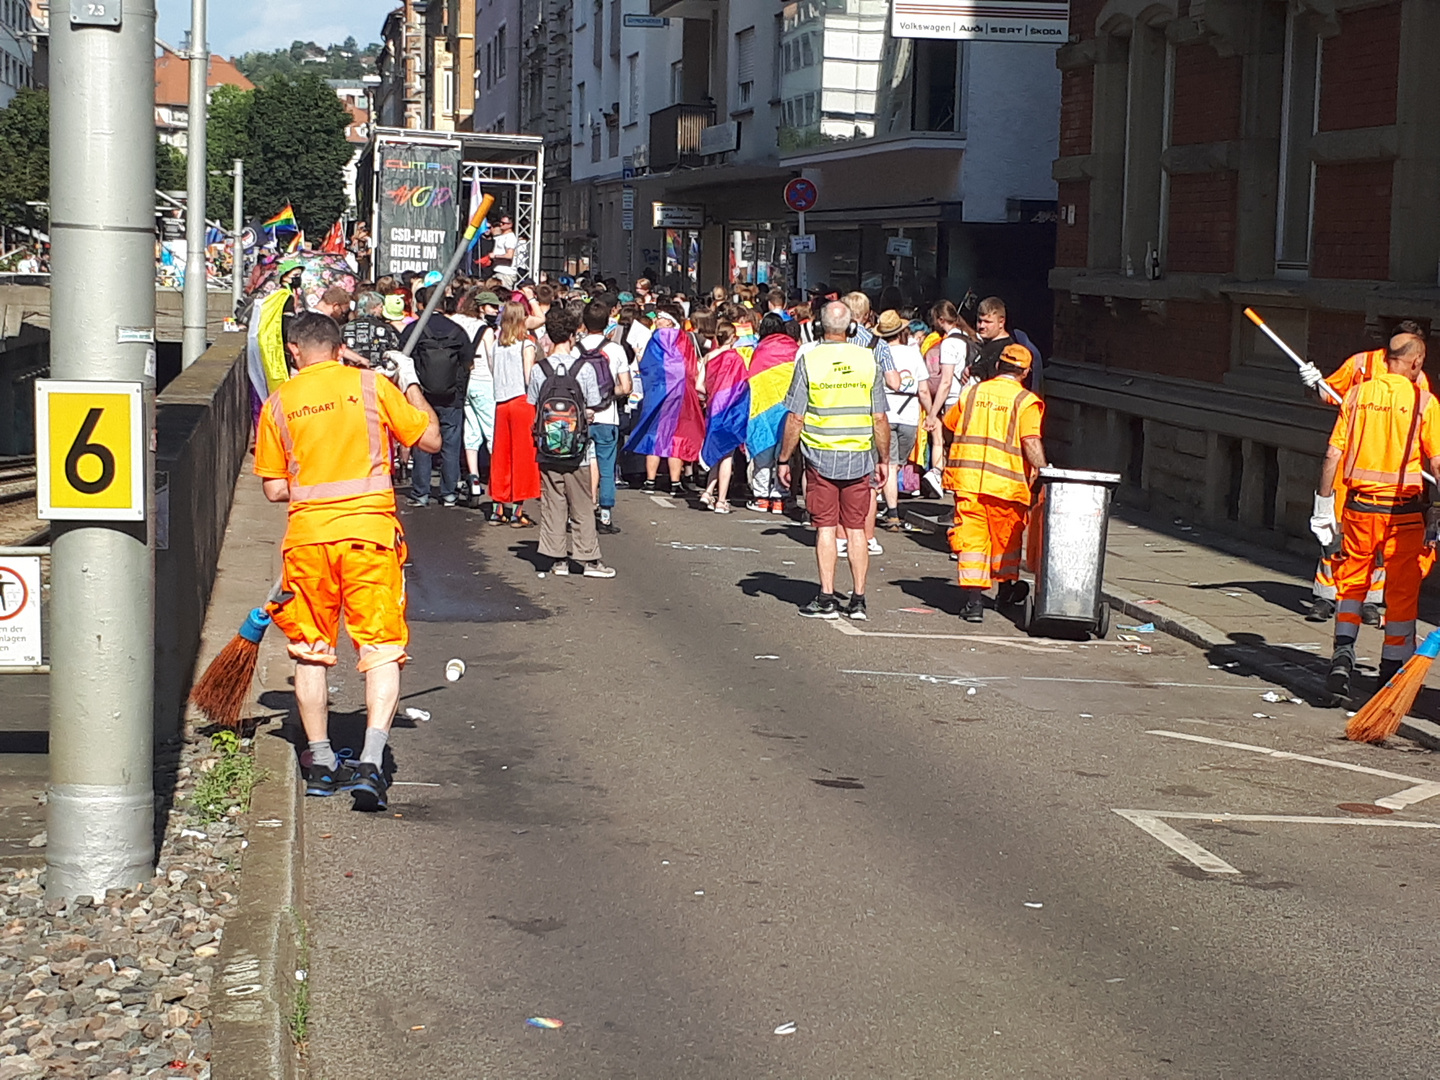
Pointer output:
x,y
727,407
772,368
285,219
671,423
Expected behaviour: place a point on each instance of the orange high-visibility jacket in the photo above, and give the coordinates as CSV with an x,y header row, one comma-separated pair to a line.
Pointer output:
x,y
1387,429
1362,367
328,432
990,420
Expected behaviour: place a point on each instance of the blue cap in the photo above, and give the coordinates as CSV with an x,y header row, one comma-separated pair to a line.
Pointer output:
x,y
433,278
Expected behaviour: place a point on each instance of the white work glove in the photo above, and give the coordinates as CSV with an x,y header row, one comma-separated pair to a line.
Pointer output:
x,y
401,369
1310,375
1323,523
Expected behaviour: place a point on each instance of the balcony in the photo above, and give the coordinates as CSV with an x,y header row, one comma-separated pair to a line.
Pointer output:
x,y
675,134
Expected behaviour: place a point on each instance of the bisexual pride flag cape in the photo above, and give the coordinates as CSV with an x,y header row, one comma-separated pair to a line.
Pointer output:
x,y
727,407
670,423
772,367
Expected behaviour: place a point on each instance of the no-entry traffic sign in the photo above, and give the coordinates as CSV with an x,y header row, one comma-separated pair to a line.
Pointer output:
x,y
801,195
90,450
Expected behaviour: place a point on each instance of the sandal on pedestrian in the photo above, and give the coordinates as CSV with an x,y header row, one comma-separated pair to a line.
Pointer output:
x,y
497,514
721,507
521,520
706,499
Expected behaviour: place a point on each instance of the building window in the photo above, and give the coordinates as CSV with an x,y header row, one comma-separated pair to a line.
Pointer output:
x,y
1298,121
745,67
597,34
939,83
615,20
677,82
447,92
500,64
632,91
594,144
582,118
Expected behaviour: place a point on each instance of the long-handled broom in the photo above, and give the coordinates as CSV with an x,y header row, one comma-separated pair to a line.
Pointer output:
x,y
1380,717
222,690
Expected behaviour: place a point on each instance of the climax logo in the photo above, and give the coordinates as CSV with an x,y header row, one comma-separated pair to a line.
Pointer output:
x,y
399,163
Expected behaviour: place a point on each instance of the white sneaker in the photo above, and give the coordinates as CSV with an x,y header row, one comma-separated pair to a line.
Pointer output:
x,y
875,548
933,478
561,568
842,547
598,569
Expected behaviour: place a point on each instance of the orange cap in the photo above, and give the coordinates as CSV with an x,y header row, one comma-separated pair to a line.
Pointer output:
x,y
1018,356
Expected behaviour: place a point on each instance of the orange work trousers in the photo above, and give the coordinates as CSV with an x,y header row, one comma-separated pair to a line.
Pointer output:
x,y
986,536
1398,539
363,580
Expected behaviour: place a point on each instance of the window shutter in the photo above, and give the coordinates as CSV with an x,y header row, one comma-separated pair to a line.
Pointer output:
x,y
745,56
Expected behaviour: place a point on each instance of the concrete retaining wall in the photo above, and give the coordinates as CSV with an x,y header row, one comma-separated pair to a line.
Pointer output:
x,y
203,432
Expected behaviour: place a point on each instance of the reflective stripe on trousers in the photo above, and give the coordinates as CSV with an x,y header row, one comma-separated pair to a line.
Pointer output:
x,y
1400,540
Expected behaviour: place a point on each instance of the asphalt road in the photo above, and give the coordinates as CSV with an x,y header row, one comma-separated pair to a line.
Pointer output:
x,y
667,811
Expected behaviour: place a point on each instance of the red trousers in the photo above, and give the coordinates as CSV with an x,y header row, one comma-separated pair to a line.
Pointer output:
x,y
514,476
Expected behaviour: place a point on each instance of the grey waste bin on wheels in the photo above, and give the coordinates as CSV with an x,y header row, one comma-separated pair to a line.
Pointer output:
x,y
1069,552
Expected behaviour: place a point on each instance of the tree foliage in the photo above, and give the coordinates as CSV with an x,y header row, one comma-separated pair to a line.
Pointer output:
x,y
227,137
297,151
344,61
169,167
24,157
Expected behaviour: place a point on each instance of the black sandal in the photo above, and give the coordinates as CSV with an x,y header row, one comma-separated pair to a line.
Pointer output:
x,y
497,514
521,520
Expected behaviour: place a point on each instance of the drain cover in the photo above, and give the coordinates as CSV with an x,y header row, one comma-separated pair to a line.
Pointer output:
x,y
1365,808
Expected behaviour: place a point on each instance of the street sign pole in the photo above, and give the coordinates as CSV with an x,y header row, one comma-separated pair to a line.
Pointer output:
x,y
237,262
197,176
100,802
804,278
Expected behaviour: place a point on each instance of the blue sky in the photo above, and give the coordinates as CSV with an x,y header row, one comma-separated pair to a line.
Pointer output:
x,y
273,24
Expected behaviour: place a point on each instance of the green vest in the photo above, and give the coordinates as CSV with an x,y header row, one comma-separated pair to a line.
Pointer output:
x,y
840,412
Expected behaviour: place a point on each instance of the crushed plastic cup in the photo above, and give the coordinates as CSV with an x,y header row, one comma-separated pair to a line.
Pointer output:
x,y
1271,696
787,1028
455,670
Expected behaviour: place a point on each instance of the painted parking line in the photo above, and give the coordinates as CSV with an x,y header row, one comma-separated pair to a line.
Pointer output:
x,y
1178,842
1287,755
1026,644
982,680
661,500
676,545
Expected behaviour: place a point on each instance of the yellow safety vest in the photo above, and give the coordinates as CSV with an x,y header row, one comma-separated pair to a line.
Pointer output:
x,y
840,412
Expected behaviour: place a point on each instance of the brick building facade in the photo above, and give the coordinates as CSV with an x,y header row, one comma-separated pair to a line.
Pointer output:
x,y
1214,154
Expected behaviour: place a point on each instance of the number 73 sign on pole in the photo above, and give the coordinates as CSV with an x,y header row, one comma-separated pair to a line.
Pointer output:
x,y
90,450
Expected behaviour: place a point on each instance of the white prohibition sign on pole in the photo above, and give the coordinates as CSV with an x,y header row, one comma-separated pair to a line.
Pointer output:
x,y
20,644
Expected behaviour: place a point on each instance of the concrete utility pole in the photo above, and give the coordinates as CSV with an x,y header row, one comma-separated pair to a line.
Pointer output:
x,y
237,263
196,177
102,300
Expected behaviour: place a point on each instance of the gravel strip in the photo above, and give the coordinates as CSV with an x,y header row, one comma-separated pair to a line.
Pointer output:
x,y
120,985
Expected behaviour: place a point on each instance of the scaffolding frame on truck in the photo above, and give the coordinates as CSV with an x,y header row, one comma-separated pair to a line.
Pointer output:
x,y
514,162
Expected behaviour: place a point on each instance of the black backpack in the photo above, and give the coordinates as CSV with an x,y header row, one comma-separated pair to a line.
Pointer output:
x,y
561,430
440,367
604,377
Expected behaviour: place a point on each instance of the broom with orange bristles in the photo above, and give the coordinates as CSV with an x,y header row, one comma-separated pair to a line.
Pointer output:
x,y
222,690
1380,717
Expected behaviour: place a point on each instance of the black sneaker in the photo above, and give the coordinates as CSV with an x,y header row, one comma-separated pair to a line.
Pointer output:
x,y
1011,593
1370,614
417,500
677,490
856,609
606,528
1320,610
824,606
369,787
1342,666
973,609
321,781
648,487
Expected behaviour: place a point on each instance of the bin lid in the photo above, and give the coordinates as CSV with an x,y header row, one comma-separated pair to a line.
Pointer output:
x,y
1049,474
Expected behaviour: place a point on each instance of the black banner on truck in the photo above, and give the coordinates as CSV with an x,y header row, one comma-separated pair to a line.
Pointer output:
x,y
419,207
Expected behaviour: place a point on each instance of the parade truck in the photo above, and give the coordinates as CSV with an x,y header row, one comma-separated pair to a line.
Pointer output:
x,y
416,189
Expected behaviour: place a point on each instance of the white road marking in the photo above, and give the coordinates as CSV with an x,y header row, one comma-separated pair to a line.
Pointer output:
x,y
1409,796
1286,755
412,783
1038,645
678,546
1178,842
1286,819
661,500
965,680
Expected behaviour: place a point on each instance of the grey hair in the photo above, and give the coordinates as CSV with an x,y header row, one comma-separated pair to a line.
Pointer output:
x,y
367,302
835,317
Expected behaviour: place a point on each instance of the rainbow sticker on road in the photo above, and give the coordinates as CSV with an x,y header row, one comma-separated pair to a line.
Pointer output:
x,y
549,1023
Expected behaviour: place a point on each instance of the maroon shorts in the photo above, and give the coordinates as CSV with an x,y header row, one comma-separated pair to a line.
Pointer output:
x,y
843,503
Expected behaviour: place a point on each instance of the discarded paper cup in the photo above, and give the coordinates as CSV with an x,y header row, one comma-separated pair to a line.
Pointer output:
x,y
454,670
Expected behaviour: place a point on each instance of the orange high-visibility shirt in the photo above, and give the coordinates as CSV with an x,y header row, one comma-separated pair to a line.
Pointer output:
x,y
990,421
328,431
1362,367
1373,430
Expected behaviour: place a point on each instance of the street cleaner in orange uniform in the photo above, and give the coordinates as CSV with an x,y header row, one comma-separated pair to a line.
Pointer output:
x,y
991,461
323,445
1356,369
1388,429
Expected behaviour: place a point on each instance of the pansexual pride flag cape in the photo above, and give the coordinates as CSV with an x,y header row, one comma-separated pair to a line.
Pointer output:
x,y
772,367
670,422
727,407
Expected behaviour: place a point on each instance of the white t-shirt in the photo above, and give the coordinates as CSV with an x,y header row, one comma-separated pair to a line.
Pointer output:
x,y
619,365
504,248
905,402
955,353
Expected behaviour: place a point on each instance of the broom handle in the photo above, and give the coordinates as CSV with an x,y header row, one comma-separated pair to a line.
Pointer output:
x,y
437,293
1325,388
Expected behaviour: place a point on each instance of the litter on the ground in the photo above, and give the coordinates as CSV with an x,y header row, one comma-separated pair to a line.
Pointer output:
x,y
1261,716
1147,601
1087,716
1114,980
418,714
549,1023
787,1028
1271,696
1143,650
1029,904
970,692
1143,628
699,892
767,656
1127,637
919,610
